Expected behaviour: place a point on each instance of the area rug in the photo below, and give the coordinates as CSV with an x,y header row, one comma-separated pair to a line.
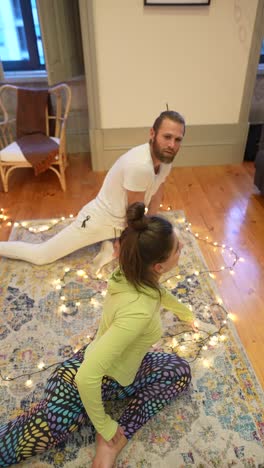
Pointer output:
x,y
48,312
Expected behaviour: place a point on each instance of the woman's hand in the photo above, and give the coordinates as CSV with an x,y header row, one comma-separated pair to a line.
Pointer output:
x,y
194,326
107,452
119,433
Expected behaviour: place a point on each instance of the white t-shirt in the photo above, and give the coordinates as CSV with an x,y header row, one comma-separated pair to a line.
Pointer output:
x,y
133,171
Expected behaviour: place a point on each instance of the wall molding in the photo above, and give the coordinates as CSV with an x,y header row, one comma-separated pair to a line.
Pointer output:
x,y
202,145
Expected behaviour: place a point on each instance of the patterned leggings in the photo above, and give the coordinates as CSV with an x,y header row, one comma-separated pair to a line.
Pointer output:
x,y
160,378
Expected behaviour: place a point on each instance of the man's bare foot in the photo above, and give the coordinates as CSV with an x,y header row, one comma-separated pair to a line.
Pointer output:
x,y
106,455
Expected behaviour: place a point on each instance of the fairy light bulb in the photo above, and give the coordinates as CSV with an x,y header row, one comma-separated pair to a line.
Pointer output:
x,y
77,303
41,365
206,363
99,275
29,382
174,342
231,316
80,272
71,215
67,269
103,293
222,337
161,205
94,302
214,339
63,218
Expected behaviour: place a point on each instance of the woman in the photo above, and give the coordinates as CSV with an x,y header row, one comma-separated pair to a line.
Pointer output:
x,y
117,363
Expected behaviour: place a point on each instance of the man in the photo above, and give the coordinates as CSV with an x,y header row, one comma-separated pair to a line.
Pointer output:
x,y
137,175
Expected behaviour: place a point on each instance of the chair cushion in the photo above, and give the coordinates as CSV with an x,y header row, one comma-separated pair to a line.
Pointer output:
x,y
13,153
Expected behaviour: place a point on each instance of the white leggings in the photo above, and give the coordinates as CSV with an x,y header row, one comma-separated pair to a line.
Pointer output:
x,y
73,237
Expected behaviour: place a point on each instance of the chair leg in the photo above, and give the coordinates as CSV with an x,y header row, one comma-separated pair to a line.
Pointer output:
x,y
63,181
4,178
62,177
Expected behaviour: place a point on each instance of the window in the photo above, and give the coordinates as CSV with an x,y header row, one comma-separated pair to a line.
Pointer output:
x,y
20,39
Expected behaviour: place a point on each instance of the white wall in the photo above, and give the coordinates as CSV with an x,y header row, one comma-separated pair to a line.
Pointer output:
x,y
194,58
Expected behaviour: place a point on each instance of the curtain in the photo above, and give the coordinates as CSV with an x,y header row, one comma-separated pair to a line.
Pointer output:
x,y
1,72
61,38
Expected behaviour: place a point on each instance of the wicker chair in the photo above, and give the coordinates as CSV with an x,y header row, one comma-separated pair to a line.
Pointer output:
x,y
11,157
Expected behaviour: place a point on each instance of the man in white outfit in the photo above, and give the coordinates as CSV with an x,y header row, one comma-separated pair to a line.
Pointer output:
x,y
137,175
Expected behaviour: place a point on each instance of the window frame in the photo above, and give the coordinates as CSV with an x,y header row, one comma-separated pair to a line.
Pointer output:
x,y
33,63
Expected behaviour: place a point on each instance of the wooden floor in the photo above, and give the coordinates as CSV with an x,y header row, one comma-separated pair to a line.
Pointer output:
x,y
220,202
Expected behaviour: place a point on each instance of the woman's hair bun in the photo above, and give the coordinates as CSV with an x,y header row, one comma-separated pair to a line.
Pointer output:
x,y
136,218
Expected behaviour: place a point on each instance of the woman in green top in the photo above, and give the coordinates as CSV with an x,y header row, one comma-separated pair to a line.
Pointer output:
x,y
117,364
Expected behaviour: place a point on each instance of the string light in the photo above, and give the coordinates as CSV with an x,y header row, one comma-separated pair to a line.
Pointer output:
x,y
33,229
43,228
200,338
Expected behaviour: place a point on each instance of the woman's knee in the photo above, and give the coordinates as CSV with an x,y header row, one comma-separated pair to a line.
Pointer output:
x,y
177,369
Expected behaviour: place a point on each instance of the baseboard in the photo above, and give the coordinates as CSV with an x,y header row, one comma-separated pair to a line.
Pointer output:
x,y
202,145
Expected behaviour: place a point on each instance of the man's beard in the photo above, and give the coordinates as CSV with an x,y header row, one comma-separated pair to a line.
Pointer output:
x,y
159,154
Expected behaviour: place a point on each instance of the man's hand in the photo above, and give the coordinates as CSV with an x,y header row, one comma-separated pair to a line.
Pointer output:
x,y
116,248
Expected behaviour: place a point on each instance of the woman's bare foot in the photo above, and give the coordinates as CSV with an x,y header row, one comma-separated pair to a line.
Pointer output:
x,y
106,455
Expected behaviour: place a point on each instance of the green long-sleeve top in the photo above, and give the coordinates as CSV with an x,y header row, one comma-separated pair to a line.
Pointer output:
x,y
129,326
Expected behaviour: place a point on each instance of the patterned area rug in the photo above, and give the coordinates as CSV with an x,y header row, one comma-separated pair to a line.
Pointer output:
x,y
49,312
